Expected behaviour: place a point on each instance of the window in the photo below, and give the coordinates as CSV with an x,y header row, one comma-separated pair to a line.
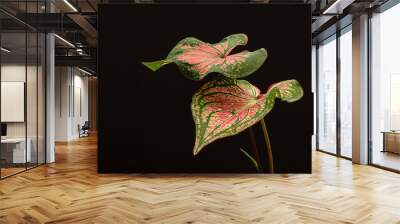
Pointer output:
x,y
334,62
385,89
346,93
22,101
326,136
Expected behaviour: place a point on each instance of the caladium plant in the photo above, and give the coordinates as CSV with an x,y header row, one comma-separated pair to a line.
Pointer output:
x,y
196,58
225,107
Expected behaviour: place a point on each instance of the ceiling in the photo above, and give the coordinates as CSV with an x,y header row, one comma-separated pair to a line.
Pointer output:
x,y
76,20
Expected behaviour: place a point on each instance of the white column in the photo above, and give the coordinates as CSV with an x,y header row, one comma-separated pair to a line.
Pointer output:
x,y
50,99
50,92
360,90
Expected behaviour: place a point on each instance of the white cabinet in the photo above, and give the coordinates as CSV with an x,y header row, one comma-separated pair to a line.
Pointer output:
x,y
19,154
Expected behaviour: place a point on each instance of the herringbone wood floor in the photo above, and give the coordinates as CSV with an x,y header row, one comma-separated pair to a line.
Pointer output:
x,y
70,191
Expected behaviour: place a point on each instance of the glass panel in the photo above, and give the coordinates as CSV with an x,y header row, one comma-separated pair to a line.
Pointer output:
x,y
41,98
385,87
346,94
31,100
31,87
13,86
22,89
327,96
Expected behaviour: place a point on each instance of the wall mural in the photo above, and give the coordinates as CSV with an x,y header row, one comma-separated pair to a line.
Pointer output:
x,y
226,106
204,88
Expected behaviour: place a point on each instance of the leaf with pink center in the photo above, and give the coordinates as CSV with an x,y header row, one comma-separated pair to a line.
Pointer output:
x,y
196,59
225,107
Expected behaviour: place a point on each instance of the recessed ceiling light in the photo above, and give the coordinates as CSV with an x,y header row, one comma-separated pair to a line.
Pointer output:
x,y
70,5
65,41
84,71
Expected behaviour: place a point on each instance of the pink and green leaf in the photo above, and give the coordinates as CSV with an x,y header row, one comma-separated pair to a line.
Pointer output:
x,y
196,59
225,107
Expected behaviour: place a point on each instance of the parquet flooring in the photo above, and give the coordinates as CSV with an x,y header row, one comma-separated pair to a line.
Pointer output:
x,y
70,191
10,171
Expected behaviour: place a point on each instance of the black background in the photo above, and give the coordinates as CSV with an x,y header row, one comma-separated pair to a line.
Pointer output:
x,y
145,122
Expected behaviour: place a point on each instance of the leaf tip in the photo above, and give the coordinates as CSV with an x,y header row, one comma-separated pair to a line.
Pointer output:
x,y
155,65
196,150
264,51
289,90
298,93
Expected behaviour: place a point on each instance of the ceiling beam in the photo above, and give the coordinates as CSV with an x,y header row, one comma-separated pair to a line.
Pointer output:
x,y
84,24
81,61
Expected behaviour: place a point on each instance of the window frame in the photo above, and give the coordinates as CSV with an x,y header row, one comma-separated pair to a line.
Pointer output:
x,y
381,9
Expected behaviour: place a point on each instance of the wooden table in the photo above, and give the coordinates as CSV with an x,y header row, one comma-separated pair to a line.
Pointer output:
x,y
391,141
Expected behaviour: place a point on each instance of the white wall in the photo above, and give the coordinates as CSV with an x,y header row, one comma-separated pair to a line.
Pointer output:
x,y
80,102
62,81
9,73
16,73
33,127
71,102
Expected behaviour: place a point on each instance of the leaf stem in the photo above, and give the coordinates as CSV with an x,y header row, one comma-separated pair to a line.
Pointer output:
x,y
253,161
254,147
268,145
